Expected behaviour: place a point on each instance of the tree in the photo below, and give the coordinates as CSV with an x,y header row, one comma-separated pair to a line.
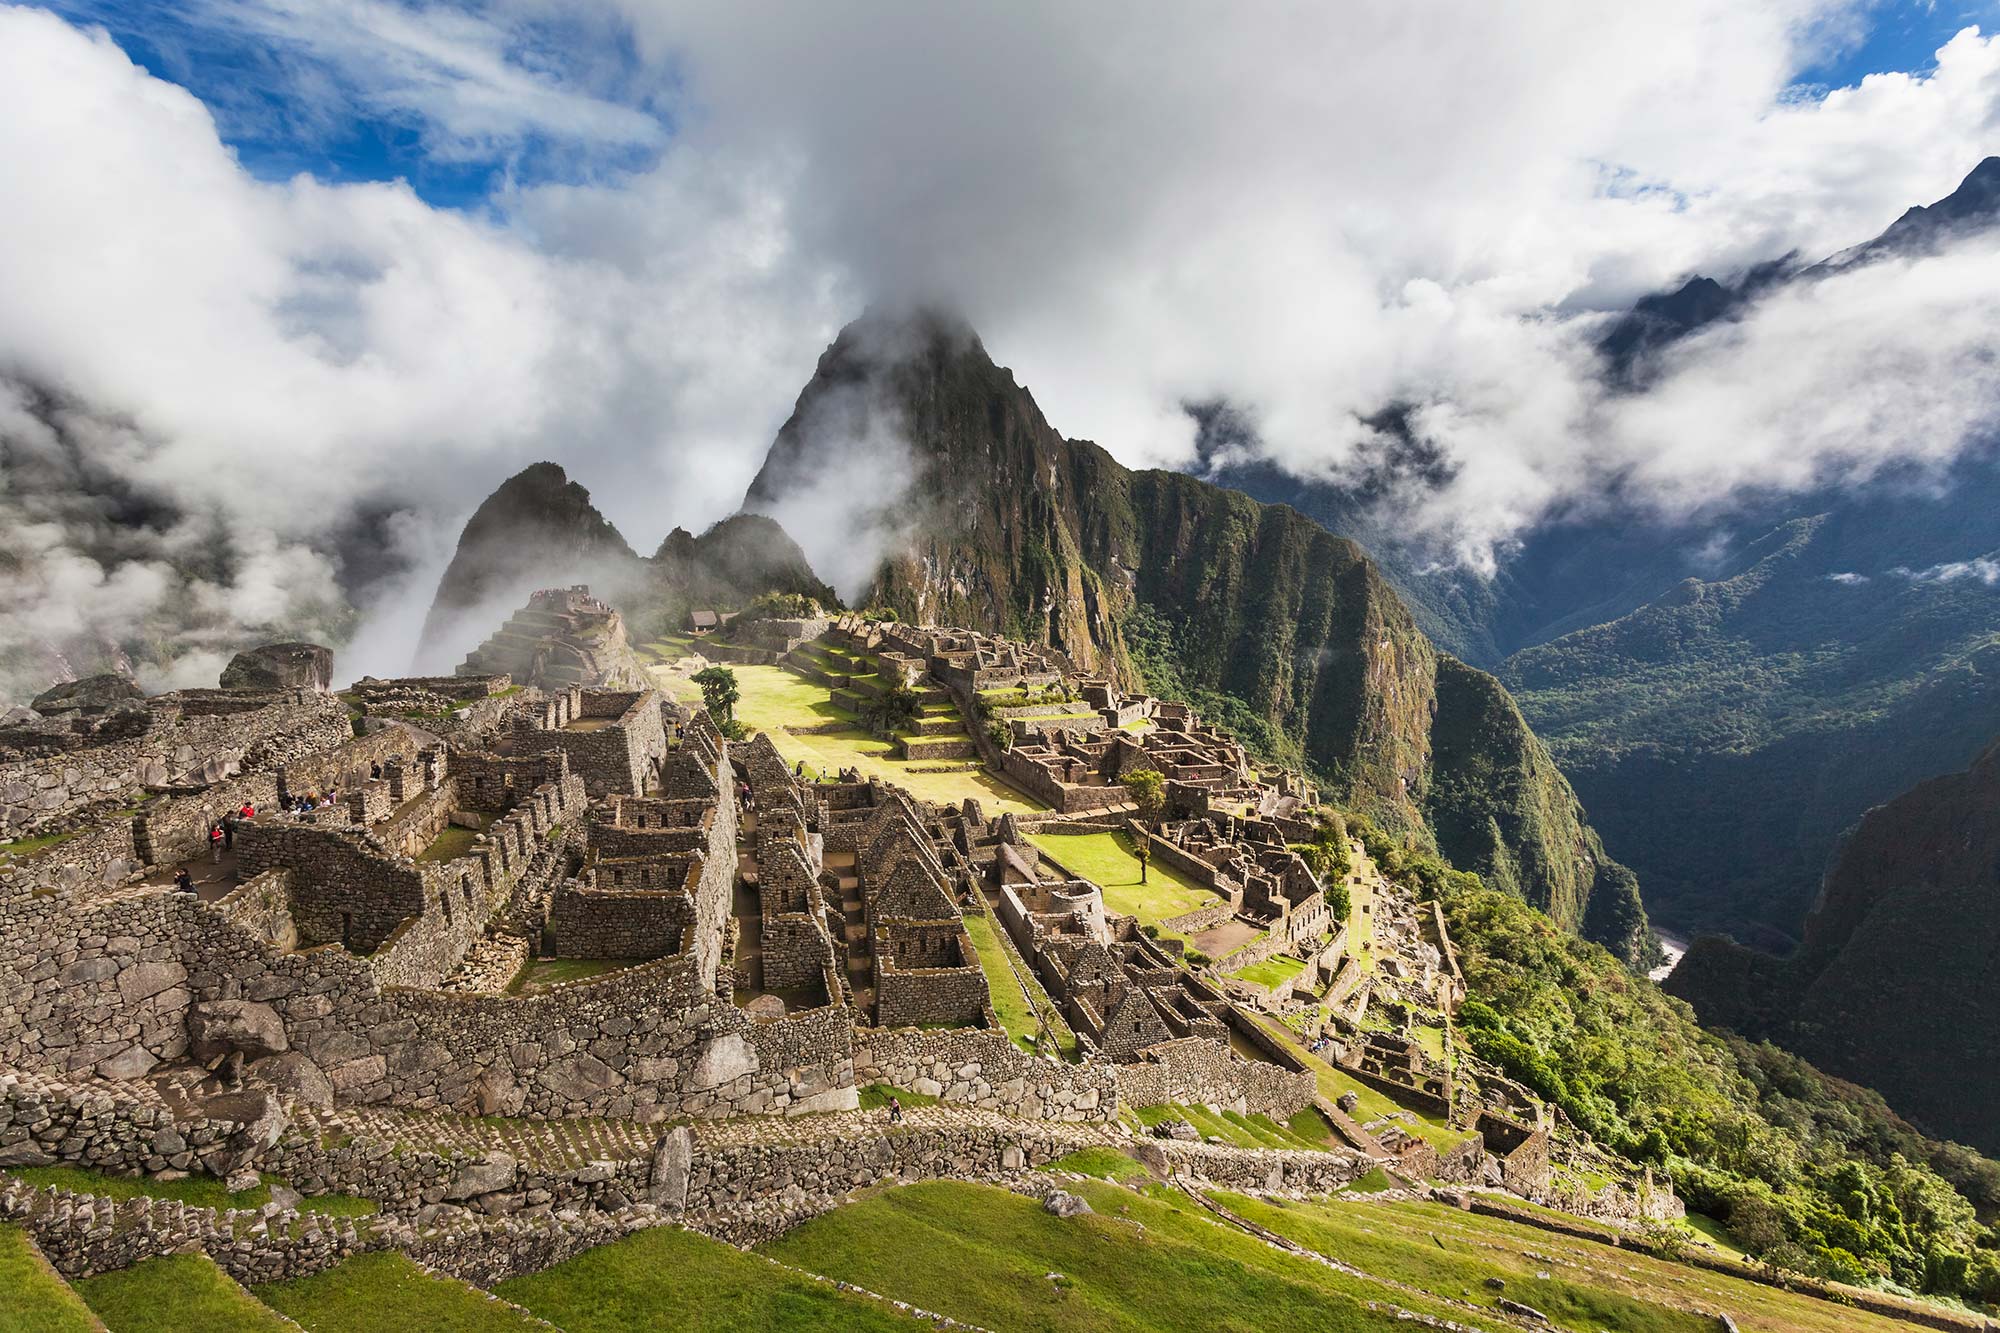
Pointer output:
x,y
1144,847
718,692
1148,791
893,710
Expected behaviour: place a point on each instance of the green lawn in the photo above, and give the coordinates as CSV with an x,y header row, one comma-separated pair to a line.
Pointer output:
x,y
388,1290
179,1293
1011,1007
1233,1127
1143,1260
542,973
198,1191
782,704
1358,1234
671,1281
1273,972
1591,1285
875,1097
1104,1163
452,843
1106,860
32,1298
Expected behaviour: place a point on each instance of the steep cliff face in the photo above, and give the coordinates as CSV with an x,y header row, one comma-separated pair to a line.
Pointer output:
x,y
1894,985
1270,623
540,530
537,530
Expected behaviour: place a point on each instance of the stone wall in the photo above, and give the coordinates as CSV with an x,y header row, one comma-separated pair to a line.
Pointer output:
x,y
613,923
1204,1072
612,760
183,746
985,1069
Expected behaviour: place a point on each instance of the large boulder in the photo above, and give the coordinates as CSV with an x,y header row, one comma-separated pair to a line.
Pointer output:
x,y
92,694
296,1076
279,666
483,1175
218,1027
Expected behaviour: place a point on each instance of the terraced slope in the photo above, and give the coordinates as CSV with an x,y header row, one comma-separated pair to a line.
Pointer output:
x,y
33,1297
668,1280
387,1290
176,1294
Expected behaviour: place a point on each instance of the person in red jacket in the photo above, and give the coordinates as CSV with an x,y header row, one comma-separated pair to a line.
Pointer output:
x,y
248,811
215,841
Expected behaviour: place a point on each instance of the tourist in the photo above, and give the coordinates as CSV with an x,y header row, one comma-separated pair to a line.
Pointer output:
x,y
895,1111
215,840
248,811
183,881
375,772
228,833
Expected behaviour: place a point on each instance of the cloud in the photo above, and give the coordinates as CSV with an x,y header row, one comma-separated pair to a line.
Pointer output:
x,y
1847,579
1982,569
1310,213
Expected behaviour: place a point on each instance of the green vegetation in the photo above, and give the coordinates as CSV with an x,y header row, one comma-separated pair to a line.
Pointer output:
x,y
33,1299
541,973
875,1097
1326,853
451,843
197,1191
892,711
789,708
1104,1163
1106,860
1370,1103
1142,1260
1805,1171
1374,1182
1017,1017
20,849
1768,708
1366,1236
1272,972
388,1290
779,606
666,1280
1147,790
175,1294
719,693
1235,1128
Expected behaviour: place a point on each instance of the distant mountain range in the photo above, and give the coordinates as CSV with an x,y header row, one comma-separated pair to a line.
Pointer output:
x,y
1727,694
1894,985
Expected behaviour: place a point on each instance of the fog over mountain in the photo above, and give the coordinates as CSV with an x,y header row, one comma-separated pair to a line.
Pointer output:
x,y
627,230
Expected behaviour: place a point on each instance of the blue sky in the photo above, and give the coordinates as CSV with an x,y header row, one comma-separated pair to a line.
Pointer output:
x,y
296,89
1901,36
288,96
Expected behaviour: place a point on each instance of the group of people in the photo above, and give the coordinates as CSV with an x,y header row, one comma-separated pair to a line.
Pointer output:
x,y
311,801
222,832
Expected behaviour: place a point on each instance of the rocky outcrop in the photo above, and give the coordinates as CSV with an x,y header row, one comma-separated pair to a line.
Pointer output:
x,y
1894,985
92,694
563,638
1266,621
280,666
538,530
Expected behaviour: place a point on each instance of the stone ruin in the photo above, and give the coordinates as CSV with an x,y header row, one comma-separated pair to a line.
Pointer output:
x,y
563,638
403,856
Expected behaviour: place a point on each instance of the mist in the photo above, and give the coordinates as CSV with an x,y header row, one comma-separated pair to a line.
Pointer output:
x,y
284,389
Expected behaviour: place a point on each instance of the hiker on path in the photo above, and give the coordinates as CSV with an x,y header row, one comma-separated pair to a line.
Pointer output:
x,y
895,1111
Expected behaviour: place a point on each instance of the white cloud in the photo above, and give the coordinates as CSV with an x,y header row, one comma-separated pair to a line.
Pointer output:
x,y
1313,211
1981,569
